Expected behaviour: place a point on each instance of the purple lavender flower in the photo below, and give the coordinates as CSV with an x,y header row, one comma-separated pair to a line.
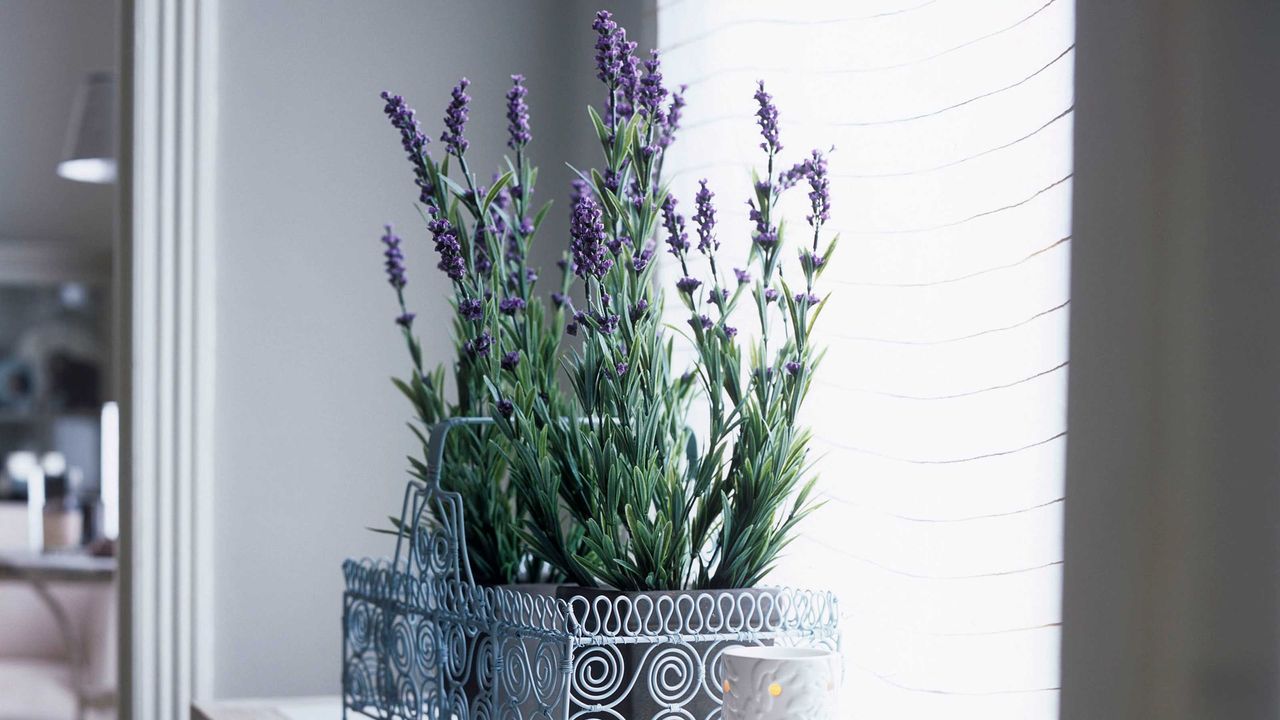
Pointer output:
x,y
413,141
405,319
792,367
730,332
767,116
770,295
561,300
589,255
717,296
526,226
805,300
705,218
608,52
638,310
455,119
628,78
480,346
677,238
616,244
517,114
705,322
652,93
811,261
446,239
505,408
674,113
765,236
687,285
743,276
641,260
511,305
607,323
395,259
612,181
471,309
788,178
621,369
819,189
511,360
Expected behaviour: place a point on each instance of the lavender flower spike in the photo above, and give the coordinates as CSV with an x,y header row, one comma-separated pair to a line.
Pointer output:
x,y
677,238
395,260
471,309
446,238
608,50
590,258
674,113
518,114
628,75
511,305
455,119
819,189
652,93
705,218
413,141
767,116
687,285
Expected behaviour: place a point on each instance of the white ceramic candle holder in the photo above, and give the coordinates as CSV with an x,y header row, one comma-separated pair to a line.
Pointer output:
x,y
780,683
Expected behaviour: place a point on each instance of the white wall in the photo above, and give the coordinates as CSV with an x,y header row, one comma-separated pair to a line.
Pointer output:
x,y
309,433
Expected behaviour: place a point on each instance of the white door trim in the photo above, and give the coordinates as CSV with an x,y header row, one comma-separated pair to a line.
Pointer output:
x,y
165,280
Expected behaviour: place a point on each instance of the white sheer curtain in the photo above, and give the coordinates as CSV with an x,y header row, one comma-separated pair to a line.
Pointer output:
x,y
940,407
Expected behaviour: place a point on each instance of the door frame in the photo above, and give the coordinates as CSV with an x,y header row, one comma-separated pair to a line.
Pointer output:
x,y
164,280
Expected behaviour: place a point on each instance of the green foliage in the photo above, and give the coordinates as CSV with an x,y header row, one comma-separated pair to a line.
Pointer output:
x,y
619,492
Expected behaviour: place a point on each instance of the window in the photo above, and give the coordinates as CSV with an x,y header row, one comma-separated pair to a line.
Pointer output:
x,y
939,409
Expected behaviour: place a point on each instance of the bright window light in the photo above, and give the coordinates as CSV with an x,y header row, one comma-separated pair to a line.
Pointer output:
x,y
939,409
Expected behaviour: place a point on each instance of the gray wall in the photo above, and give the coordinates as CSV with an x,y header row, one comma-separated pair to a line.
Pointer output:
x,y
310,435
1171,595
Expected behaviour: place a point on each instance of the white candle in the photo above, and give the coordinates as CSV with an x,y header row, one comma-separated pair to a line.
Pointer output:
x,y
779,683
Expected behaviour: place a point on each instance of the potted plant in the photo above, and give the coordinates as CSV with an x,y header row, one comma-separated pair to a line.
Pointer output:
x,y
600,479
622,496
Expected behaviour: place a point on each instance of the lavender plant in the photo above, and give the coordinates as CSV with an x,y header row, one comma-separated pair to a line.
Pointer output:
x,y
482,238
604,482
618,491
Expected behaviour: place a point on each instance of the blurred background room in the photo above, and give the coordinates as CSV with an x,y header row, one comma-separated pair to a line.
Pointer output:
x,y
59,422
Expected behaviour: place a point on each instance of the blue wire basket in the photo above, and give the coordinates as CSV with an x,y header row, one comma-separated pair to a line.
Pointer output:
x,y
421,641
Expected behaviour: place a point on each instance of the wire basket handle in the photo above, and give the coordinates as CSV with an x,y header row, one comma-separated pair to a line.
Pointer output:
x,y
448,504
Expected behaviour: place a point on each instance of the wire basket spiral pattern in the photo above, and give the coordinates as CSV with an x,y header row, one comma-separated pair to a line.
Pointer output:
x,y
422,642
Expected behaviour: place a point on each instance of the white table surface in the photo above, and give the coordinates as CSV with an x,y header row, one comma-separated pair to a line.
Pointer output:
x,y
307,708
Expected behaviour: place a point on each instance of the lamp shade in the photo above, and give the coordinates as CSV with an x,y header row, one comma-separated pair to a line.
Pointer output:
x,y
90,153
